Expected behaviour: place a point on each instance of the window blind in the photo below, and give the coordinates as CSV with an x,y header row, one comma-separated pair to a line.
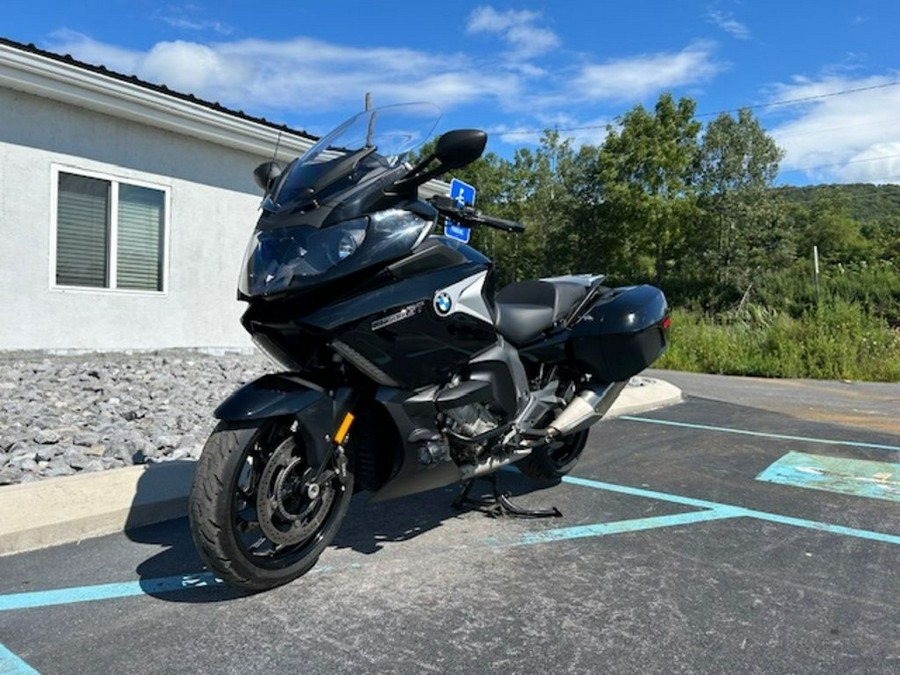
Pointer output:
x,y
82,231
140,238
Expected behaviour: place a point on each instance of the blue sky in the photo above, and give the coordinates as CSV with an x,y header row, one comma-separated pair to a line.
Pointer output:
x,y
514,68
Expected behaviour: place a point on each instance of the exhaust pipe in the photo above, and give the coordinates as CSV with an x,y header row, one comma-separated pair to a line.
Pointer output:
x,y
493,463
587,407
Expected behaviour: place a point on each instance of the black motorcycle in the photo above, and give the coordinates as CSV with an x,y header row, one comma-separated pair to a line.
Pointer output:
x,y
403,369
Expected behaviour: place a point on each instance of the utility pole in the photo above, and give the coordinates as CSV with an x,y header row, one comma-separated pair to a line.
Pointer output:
x,y
816,268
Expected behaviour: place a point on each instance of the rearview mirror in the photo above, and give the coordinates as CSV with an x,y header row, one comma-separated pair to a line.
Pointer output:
x,y
456,149
266,174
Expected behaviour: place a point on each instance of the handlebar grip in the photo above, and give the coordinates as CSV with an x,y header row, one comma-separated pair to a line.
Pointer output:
x,y
502,224
468,216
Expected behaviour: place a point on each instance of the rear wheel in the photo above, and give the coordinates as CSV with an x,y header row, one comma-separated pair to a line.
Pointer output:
x,y
257,517
554,460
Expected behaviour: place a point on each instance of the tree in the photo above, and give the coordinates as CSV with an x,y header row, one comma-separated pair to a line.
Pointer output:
x,y
531,189
741,228
646,169
835,234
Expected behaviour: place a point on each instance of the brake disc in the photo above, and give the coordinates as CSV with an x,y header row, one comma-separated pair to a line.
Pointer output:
x,y
286,512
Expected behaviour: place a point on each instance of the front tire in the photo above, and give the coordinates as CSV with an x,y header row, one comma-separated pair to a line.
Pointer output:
x,y
252,518
554,460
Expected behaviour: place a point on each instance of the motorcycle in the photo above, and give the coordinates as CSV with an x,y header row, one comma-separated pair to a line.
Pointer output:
x,y
403,370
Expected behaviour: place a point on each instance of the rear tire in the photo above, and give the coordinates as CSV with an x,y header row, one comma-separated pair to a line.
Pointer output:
x,y
258,541
554,460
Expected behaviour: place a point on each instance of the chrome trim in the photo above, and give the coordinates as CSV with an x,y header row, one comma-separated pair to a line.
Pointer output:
x,y
586,280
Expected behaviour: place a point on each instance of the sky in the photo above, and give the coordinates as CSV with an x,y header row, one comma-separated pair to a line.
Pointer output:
x,y
822,77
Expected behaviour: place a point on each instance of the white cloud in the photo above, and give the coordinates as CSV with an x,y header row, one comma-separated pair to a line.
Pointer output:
x,y
300,75
852,137
296,79
580,131
86,49
185,23
189,66
516,28
634,78
729,24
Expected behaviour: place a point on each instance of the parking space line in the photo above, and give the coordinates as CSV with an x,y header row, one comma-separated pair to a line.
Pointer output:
x,y
641,492
10,664
761,434
621,526
871,535
127,589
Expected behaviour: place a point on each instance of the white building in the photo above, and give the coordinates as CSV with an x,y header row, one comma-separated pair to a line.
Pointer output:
x,y
124,209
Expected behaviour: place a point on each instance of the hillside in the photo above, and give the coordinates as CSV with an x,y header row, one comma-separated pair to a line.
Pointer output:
x,y
866,203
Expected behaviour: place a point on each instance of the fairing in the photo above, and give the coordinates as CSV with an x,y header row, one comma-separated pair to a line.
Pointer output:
x,y
331,213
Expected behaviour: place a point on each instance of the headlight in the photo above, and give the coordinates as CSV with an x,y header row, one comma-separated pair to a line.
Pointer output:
x,y
276,258
348,245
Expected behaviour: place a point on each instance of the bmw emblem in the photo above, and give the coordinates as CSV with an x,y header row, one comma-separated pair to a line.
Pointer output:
x,y
443,304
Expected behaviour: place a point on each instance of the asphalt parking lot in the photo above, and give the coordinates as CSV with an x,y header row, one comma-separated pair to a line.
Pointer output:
x,y
706,537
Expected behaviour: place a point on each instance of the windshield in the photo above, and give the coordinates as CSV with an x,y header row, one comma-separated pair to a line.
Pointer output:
x,y
371,139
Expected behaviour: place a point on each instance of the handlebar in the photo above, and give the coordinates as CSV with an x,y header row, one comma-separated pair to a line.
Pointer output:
x,y
468,216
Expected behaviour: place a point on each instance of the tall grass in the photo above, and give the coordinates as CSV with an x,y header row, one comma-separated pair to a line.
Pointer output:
x,y
875,286
839,339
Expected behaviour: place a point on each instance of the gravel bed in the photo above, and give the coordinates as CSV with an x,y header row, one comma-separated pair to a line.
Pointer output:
x,y
62,415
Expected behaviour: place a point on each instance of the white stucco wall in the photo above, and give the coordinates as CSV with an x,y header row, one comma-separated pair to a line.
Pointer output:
x,y
213,209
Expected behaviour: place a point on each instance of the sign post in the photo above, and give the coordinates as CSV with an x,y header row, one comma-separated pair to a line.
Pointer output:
x,y
464,195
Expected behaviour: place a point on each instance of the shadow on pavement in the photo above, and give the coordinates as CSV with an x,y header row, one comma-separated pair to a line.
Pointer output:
x,y
370,525
177,574
157,518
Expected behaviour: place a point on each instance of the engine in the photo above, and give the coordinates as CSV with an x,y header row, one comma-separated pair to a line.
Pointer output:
x,y
466,421
471,420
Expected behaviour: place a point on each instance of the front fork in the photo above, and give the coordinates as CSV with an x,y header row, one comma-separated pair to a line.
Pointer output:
x,y
334,459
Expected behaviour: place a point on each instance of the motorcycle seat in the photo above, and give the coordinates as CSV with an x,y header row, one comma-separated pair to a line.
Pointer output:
x,y
526,309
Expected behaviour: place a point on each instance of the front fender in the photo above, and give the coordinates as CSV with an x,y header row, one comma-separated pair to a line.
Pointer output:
x,y
284,394
272,395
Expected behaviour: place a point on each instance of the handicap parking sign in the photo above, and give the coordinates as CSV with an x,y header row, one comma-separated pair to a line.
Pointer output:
x,y
464,195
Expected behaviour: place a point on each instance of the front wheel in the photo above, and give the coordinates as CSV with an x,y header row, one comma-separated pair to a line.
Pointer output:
x,y
554,460
257,518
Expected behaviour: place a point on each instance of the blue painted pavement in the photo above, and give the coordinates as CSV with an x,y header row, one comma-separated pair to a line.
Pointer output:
x,y
858,477
621,526
10,664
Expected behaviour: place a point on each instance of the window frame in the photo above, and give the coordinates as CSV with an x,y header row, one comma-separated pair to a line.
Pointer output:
x,y
113,239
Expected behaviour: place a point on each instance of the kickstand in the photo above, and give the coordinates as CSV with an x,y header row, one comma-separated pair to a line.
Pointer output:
x,y
500,505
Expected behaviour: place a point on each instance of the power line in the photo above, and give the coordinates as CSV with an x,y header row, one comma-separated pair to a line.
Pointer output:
x,y
850,161
803,99
789,101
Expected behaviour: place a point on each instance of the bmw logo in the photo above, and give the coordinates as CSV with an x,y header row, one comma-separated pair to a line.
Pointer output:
x,y
443,304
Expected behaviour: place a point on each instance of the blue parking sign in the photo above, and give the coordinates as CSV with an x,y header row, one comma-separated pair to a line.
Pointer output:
x,y
464,195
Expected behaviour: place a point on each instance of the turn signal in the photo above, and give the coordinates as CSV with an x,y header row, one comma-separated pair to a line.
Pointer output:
x,y
344,428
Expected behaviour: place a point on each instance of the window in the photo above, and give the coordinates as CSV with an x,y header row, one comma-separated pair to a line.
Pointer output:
x,y
109,234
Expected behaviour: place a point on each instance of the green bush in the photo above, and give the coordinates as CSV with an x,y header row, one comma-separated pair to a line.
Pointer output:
x,y
837,340
875,286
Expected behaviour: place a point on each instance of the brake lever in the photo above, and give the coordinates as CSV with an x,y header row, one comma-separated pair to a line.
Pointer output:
x,y
466,214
